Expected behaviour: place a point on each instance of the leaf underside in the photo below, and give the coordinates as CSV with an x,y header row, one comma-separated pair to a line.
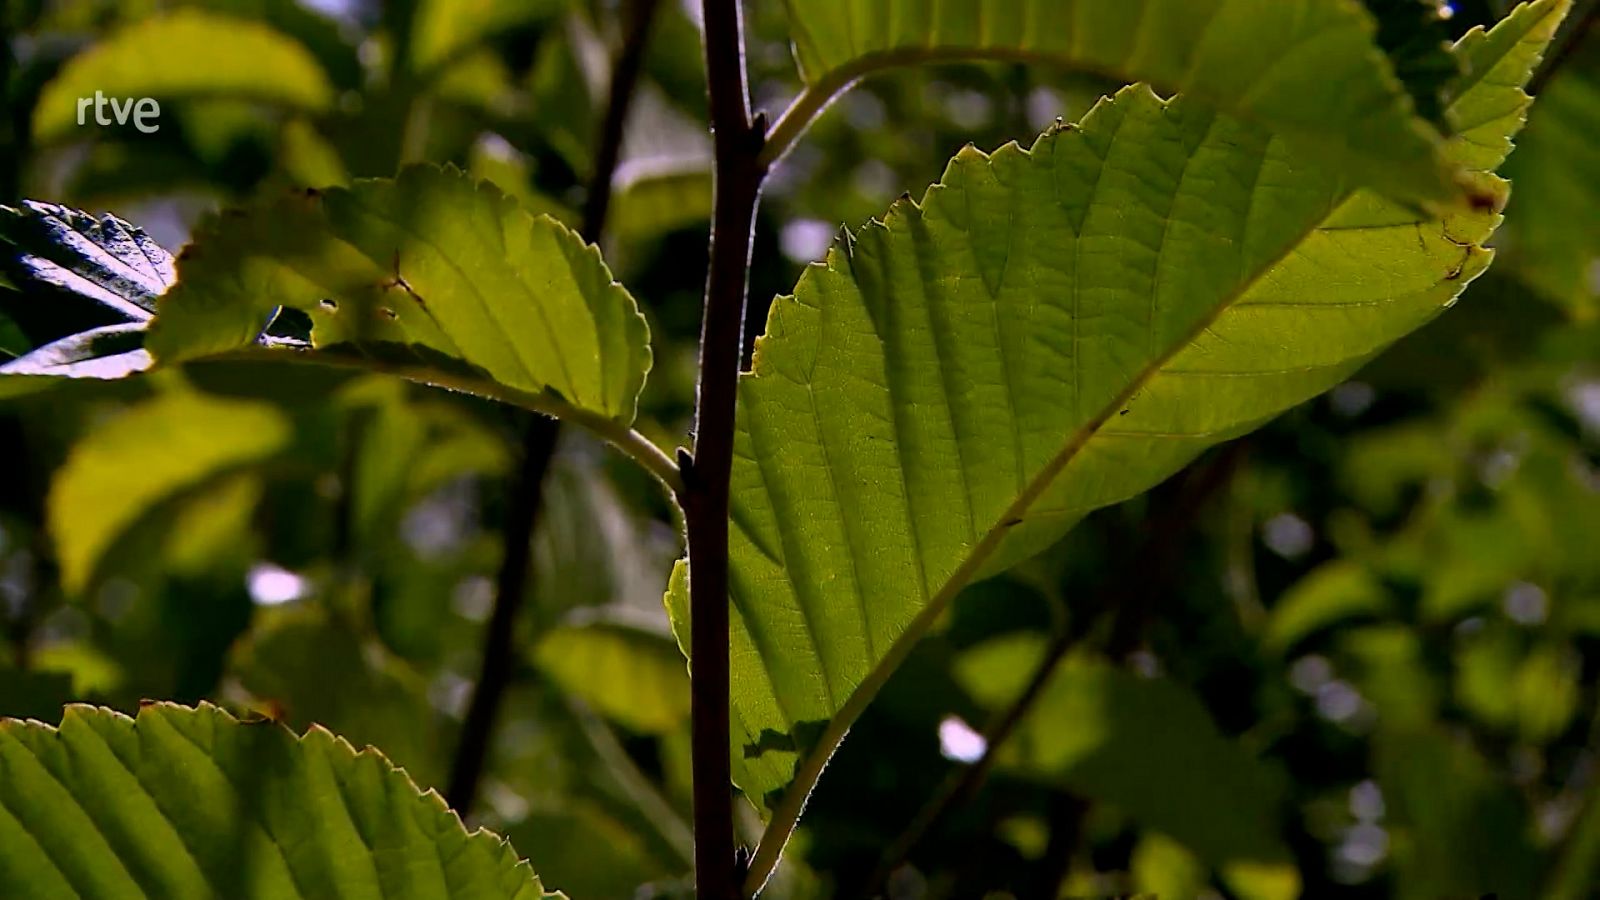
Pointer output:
x,y
1049,331
1307,70
82,291
182,803
70,273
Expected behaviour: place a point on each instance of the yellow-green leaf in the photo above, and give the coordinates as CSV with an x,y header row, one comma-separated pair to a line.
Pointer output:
x,y
1049,331
186,54
1310,71
192,804
151,453
430,270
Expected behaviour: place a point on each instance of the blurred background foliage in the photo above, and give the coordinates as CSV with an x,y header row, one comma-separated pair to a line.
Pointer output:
x,y
1369,633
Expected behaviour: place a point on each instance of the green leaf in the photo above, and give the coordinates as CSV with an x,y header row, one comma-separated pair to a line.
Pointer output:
x,y
1554,238
442,30
172,443
1048,332
430,270
1307,70
1331,593
1144,745
404,447
306,24
1165,868
192,803
565,844
628,670
650,203
186,54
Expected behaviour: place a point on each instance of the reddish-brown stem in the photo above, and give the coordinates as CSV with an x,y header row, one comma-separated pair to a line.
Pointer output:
x,y
739,174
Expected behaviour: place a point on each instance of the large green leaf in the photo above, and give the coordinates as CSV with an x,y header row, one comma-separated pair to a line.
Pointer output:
x,y
1308,70
153,452
431,271
192,803
189,53
1049,331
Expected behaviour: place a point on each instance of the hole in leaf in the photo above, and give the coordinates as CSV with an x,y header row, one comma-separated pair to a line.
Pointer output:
x,y
291,323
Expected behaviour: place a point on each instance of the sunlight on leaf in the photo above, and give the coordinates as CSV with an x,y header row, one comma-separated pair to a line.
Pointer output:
x,y
1049,331
180,802
431,269
1307,70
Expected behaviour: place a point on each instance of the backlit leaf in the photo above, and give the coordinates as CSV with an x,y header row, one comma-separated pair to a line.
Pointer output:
x,y
192,803
1307,70
1049,331
430,270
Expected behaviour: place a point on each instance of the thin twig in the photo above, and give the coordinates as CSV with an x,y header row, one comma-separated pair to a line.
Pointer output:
x,y
960,784
624,78
738,177
499,636
538,447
